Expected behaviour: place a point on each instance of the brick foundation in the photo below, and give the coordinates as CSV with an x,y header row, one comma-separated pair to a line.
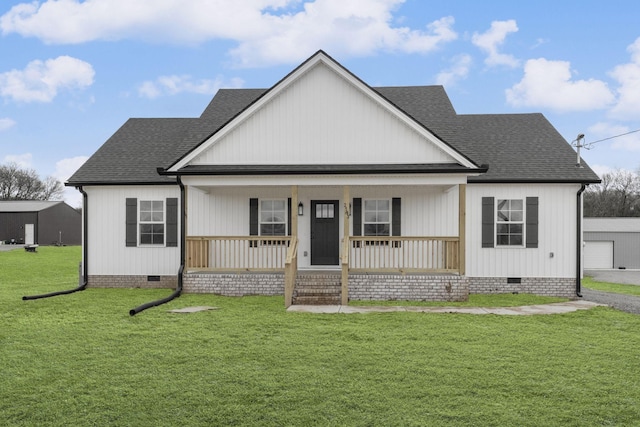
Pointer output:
x,y
236,285
147,282
409,287
546,286
378,287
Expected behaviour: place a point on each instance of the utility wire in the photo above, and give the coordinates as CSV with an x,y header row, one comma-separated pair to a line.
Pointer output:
x,y
616,136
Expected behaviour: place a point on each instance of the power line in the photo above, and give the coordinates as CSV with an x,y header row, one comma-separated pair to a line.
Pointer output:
x,y
616,136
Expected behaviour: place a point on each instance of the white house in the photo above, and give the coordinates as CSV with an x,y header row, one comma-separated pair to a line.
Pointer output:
x,y
325,188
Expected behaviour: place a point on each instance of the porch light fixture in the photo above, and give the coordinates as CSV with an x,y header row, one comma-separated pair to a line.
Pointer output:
x,y
300,209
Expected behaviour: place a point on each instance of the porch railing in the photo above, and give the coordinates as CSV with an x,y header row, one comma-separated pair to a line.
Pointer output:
x,y
290,272
237,253
404,254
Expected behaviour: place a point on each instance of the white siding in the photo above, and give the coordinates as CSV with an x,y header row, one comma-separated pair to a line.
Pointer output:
x,y
556,233
108,254
224,211
322,118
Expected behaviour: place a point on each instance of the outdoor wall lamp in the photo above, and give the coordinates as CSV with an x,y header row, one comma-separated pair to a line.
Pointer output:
x,y
300,209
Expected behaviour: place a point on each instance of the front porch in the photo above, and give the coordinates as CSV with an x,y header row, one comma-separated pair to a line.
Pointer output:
x,y
366,267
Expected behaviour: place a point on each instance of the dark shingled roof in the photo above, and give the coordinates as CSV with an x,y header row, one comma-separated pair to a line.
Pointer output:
x,y
516,147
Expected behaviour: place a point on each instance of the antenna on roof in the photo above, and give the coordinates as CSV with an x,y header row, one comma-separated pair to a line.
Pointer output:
x,y
579,138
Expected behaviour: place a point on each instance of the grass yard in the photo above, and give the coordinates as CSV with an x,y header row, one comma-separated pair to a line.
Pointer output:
x,y
588,282
81,360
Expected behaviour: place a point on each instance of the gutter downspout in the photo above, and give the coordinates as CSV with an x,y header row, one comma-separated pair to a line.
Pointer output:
x,y
85,251
178,290
579,239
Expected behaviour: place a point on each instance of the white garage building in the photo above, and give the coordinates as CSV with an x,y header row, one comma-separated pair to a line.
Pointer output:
x,y
611,243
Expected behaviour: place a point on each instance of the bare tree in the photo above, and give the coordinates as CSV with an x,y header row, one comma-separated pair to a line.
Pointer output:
x,y
617,195
25,184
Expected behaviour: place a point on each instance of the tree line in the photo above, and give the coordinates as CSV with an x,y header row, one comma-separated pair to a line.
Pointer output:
x,y
24,184
618,195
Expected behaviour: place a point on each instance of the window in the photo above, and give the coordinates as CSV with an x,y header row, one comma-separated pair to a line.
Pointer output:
x,y
377,217
151,222
325,210
509,222
273,217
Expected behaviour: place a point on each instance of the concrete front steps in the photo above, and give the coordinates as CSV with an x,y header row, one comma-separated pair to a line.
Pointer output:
x,y
317,288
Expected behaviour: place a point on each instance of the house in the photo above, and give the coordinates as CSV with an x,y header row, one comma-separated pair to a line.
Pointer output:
x,y
39,222
324,188
611,243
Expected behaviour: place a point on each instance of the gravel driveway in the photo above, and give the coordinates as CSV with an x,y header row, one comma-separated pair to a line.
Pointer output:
x,y
628,303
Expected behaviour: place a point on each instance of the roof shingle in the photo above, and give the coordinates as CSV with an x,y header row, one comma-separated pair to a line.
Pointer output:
x,y
516,147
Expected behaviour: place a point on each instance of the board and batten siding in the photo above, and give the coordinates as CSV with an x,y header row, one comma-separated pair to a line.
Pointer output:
x,y
107,252
556,233
322,119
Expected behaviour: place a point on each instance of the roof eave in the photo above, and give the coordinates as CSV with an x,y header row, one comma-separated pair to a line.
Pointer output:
x,y
481,180
359,170
105,183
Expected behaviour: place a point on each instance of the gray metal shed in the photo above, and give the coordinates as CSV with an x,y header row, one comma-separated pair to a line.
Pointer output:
x,y
611,243
40,222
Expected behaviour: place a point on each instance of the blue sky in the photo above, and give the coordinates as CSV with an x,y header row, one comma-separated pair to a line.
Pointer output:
x,y
72,72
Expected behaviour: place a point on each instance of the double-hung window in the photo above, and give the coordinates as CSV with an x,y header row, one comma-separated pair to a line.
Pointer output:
x,y
151,222
273,217
377,217
510,222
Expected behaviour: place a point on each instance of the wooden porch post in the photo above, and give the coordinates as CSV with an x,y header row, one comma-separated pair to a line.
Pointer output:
x,y
346,199
291,263
462,223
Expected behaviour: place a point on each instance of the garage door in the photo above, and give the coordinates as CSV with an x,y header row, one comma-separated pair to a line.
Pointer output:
x,y
598,255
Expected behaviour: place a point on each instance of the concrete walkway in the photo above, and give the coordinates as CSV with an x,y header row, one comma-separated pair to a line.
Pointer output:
x,y
525,310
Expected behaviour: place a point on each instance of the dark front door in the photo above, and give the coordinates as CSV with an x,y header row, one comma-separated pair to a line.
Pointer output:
x,y
325,239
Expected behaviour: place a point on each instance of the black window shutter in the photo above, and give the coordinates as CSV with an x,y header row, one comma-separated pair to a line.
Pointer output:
x,y
487,222
172,222
532,222
131,220
253,217
289,222
396,217
356,212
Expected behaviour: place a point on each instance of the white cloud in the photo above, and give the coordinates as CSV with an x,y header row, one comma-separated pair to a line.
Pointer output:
x,y
40,81
458,70
172,85
602,130
67,167
64,169
493,38
548,84
266,31
339,28
602,169
22,160
628,75
6,123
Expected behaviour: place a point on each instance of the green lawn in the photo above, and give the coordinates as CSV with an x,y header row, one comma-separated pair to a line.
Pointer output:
x,y
588,282
81,360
